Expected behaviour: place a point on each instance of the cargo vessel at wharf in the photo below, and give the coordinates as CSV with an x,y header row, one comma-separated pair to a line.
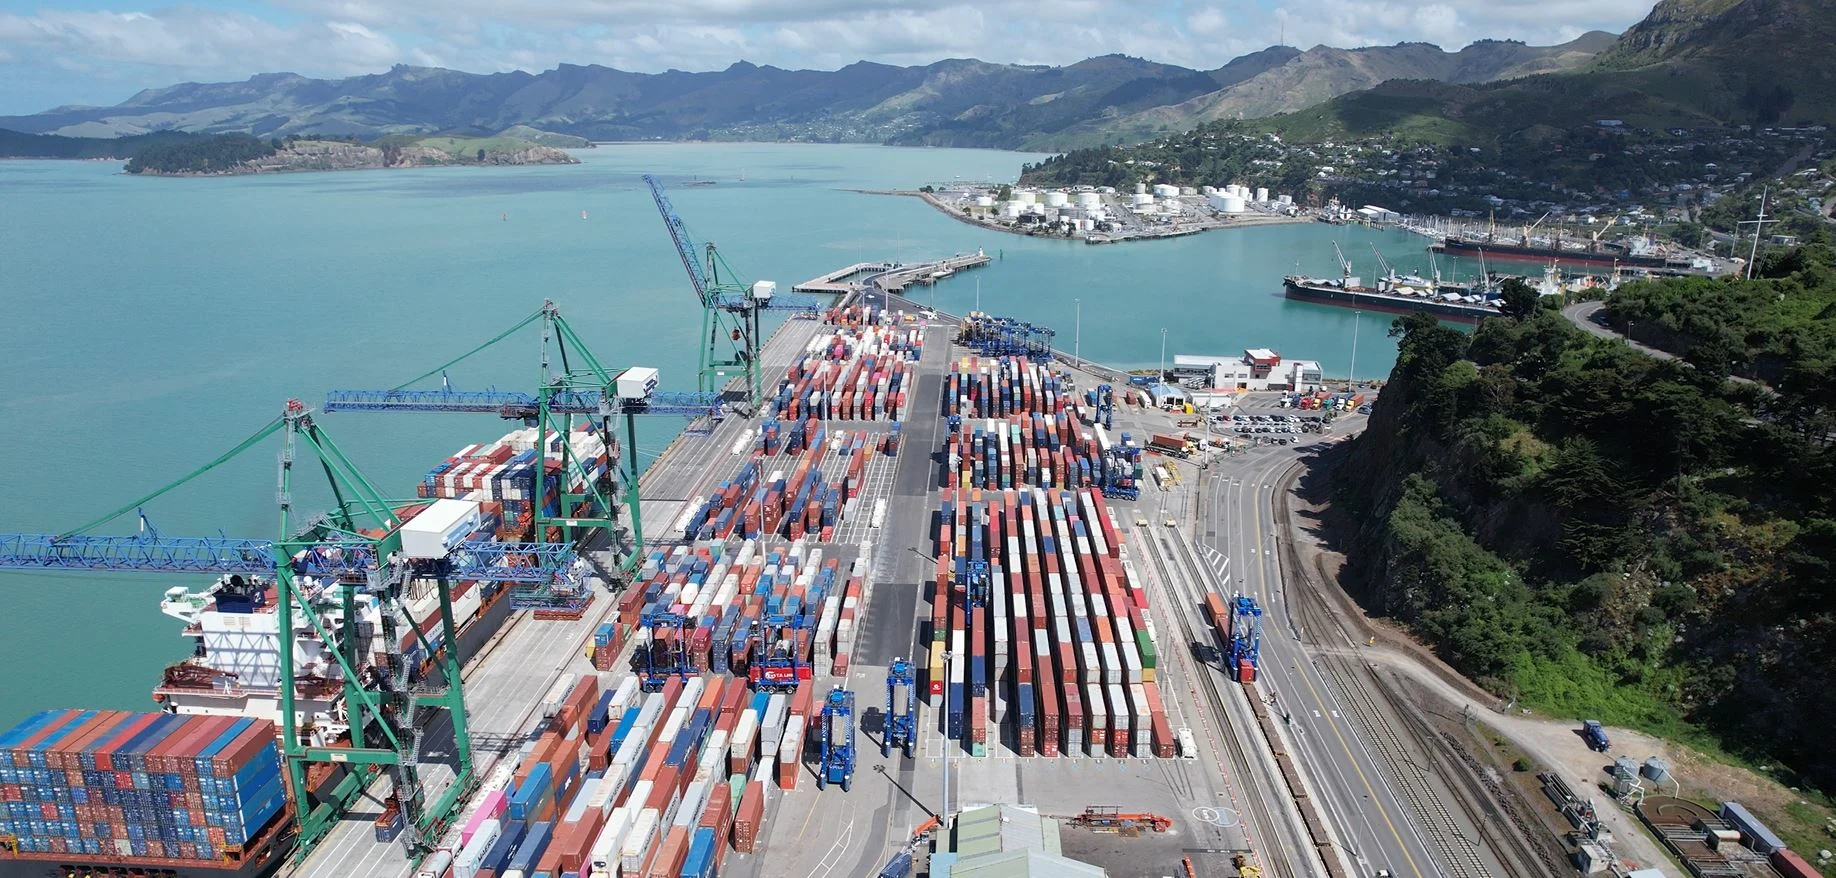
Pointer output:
x,y
1394,293
1595,255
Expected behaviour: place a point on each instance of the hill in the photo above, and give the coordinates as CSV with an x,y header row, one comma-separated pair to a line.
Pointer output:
x,y
227,154
1323,73
20,145
1690,63
957,102
1596,532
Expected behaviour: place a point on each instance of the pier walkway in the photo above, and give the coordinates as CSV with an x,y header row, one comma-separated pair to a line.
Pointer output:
x,y
889,276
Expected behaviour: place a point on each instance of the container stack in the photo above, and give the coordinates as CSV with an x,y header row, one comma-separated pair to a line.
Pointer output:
x,y
151,790
502,474
778,616
620,782
1060,635
791,502
1012,424
858,373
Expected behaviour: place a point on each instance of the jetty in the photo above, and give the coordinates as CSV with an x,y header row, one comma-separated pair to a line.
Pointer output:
x,y
889,276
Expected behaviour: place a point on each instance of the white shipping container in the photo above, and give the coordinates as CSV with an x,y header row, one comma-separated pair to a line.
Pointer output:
x,y
435,865
602,857
636,846
767,769
693,799
583,798
640,793
467,863
557,694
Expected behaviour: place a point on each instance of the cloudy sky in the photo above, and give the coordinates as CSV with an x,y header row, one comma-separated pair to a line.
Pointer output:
x,y
102,51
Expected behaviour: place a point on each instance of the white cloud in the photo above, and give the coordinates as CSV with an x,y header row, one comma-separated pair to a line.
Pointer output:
x,y
155,45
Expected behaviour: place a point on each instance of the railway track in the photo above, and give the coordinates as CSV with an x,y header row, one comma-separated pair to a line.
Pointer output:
x,y
1256,797
1419,786
1414,783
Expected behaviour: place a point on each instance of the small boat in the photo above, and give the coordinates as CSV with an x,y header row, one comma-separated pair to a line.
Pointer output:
x,y
583,214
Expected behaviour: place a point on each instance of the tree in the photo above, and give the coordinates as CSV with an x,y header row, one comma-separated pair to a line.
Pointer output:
x,y
1689,234
481,154
1005,193
1518,299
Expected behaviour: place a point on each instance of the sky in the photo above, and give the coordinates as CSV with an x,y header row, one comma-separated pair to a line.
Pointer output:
x,y
103,51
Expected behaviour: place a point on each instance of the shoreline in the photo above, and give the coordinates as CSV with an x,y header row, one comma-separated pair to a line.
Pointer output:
x,y
1241,221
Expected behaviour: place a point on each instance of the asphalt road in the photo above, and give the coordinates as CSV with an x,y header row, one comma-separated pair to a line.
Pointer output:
x,y
1237,537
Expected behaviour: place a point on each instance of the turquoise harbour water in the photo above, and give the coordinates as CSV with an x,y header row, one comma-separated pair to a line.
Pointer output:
x,y
151,324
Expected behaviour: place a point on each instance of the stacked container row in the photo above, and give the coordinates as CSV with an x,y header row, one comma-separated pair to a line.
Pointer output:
x,y
140,788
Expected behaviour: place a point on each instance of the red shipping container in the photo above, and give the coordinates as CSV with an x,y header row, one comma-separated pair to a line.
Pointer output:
x,y
668,861
1790,865
749,820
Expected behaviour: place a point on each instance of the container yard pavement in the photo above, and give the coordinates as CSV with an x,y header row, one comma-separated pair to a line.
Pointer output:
x,y
505,685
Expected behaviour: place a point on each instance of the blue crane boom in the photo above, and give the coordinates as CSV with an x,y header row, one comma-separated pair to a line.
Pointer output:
x,y
729,311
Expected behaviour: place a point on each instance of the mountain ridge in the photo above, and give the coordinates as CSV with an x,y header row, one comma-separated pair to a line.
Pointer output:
x,y
952,102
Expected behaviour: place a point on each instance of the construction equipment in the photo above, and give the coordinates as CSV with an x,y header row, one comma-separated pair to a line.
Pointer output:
x,y
901,708
665,652
321,563
579,388
1245,638
837,740
777,662
1110,818
730,310
1247,867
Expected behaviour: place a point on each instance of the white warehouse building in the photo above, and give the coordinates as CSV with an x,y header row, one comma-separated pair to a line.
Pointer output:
x,y
1257,369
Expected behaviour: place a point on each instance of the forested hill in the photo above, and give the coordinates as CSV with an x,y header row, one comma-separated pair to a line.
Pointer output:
x,y
1603,534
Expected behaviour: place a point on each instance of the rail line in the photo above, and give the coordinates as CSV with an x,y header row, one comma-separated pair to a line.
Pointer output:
x,y
1256,803
1514,850
1459,855
1496,821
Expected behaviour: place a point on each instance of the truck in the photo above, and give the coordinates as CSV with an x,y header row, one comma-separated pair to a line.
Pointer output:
x,y
1595,736
1173,445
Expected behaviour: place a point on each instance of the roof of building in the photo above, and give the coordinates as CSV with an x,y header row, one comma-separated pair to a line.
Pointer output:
x,y
1201,360
1305,365
1006,841
1260,354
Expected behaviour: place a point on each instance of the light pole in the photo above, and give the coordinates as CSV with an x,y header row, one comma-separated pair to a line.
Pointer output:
x,y
1077,332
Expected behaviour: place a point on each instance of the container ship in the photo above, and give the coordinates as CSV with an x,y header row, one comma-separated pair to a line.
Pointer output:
x,y
1600,255
1347,292
196,789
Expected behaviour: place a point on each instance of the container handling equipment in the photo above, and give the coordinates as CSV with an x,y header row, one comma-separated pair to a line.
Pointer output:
x,y
901,718
837,740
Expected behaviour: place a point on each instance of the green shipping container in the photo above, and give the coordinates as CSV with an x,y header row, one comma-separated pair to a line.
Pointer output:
x,y
1147,649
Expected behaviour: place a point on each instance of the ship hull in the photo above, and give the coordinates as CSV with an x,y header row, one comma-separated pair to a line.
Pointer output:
x,y
105,867
1545,255
1319,295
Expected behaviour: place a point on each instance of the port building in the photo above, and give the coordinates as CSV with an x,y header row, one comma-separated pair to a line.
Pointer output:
x,y
1007,841
1257,369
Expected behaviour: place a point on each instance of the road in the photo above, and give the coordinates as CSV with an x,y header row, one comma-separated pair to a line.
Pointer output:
x,y
1587,316
1377,830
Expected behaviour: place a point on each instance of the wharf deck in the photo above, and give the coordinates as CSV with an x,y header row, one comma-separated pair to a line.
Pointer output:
x,y
505,684
890,276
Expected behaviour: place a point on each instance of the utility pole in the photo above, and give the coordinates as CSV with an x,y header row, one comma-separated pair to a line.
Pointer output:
x,y
1077,333
1757,223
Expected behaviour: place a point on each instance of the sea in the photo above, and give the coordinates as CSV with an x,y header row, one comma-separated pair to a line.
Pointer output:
x,y
153,324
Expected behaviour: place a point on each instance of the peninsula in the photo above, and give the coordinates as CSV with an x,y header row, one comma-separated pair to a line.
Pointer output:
x,y
234,154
